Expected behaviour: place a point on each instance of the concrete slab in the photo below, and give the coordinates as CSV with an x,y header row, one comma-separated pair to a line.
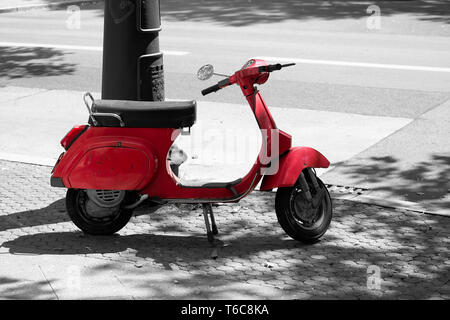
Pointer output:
x,y
226,135
10,94
20,281
65,277
410,165
33,122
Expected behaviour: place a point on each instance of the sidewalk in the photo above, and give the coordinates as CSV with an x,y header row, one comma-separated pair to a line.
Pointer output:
x,y
51,113
163,252
412,165
227,136
62,277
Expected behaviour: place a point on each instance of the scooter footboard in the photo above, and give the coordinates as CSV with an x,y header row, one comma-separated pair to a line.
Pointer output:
x,y
291,165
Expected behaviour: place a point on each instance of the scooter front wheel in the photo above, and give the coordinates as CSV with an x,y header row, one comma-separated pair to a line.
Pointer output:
x,y
298,217
98,212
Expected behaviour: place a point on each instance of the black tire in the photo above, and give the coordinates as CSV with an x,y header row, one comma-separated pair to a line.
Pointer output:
x,y
292,224
76,208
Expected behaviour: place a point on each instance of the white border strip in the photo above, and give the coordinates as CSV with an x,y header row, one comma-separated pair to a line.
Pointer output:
x,y
357,64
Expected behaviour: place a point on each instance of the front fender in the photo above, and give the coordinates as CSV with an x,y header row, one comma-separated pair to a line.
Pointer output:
x,y
291,165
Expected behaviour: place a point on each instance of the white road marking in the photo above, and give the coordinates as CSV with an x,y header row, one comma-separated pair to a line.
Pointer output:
x,y
357,64
174,53
73,47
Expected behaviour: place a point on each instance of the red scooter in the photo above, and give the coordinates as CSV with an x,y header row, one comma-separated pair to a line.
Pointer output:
x,y
122,158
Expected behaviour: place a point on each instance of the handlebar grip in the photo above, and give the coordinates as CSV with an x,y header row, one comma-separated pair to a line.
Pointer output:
x,y
270,68
218,86
211,89
273,67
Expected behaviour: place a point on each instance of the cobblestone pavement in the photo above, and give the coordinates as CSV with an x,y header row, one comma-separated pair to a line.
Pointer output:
x,y
410,250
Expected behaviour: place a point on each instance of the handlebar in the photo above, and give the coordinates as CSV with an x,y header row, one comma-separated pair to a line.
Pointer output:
x,y
274,67
226,82
211,89
219,85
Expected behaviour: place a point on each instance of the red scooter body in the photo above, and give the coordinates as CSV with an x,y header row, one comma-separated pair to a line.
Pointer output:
x,y
136,159
116,158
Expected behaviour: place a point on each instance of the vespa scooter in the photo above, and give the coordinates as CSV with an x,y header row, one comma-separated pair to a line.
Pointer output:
x,y
121,158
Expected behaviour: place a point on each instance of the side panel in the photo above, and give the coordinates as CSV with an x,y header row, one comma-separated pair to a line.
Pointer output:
x,y
291,165
112,158
110,168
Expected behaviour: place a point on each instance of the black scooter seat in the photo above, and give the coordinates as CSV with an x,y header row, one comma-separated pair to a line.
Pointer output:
x,y
145,114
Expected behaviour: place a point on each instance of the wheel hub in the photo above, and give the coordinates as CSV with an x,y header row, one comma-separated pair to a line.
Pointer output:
x,y
106,198
94,211
303,209
103,204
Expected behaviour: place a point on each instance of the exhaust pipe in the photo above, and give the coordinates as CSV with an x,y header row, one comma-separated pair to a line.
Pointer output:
x,y
134,205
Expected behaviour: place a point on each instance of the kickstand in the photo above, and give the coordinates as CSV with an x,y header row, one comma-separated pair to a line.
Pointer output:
x,y
211,228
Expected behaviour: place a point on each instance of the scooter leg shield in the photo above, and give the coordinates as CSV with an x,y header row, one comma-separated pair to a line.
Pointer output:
x,y
291,164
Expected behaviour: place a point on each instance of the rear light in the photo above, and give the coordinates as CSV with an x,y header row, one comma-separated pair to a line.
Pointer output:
x,y
73,135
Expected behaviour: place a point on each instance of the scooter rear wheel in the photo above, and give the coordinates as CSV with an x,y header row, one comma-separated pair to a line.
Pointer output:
x,y
298,218
93,219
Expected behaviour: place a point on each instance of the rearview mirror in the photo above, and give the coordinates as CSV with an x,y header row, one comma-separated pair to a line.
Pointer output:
x,y
205,72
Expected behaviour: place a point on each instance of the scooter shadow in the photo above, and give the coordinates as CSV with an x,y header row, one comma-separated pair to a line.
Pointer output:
x,y
161,248
54,213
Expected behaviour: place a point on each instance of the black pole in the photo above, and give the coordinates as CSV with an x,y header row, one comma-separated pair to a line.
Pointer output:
x,y
132,63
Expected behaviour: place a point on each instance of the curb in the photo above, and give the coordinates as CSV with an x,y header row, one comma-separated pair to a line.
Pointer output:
x,y
390,203
36,161
54,5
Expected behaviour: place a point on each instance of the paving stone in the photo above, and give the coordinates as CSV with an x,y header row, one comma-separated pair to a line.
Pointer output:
x,y
412,257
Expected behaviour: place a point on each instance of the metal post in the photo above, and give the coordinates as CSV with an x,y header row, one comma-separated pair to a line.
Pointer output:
x,y
132,63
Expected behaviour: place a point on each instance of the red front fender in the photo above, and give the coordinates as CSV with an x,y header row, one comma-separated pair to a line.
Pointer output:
x,y
291,165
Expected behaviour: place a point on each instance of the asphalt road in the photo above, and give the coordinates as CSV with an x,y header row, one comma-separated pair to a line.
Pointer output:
x,y
376,87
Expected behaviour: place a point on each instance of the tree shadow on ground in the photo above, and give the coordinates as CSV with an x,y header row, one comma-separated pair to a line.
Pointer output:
x,y
248,12
11,288
52,214
410,249
21,62
425,181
